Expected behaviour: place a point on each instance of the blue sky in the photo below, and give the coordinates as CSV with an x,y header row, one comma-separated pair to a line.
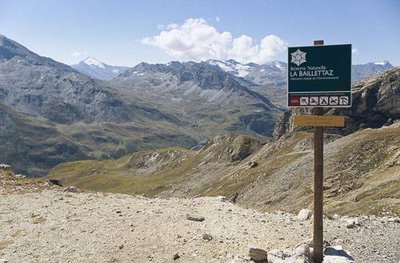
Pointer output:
x,y
127,32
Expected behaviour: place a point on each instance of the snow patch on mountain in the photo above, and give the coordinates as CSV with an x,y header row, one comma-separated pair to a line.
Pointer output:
x,y
93,62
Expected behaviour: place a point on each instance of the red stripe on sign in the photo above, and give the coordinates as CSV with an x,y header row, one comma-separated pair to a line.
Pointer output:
x,y
294,101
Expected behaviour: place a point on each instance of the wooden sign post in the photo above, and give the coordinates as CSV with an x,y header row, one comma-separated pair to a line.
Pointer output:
x,y
318,239
319,76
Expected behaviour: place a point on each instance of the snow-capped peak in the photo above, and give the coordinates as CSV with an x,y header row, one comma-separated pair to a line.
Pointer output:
x,y
232,66
93,62
382,63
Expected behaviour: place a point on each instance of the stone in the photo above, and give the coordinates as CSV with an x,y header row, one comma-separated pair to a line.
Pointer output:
x,y
196,218
303,250
258,255
351,222
5,167
4,261
207,237
234,198
304,214
55,182
252,164
71,189
176,256
222,198
336,216
336,254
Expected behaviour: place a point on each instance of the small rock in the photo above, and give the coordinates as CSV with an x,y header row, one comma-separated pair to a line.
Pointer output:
x,y
176,256
304,214
394,220
71,189
5,167
351,222
258,255
207,237
121,246
252,164
196,218
336,216
55,182
303,250
222,198
234,198
3,261
118,211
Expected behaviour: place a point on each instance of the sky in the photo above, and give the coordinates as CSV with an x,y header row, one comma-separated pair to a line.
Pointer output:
x,y
122,32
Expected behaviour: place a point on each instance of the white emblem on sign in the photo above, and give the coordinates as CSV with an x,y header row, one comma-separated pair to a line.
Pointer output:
x,y
304,101
333,100
344,100
298,57
313,101
323,101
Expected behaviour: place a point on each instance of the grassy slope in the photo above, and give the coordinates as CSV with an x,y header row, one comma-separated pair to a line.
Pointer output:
x,y
361,173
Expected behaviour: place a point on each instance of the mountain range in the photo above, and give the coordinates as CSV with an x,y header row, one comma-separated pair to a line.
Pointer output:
x,y
268,79
53,113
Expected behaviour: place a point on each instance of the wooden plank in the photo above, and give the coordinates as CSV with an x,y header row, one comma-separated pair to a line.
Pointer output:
x,y
318,120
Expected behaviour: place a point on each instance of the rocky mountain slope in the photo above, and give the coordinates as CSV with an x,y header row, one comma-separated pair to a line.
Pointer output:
x,y
52,114
375,103
210,99
362,71
75,226
97,69
270,175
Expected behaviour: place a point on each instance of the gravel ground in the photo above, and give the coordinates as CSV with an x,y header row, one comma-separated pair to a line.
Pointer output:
x,y
55,226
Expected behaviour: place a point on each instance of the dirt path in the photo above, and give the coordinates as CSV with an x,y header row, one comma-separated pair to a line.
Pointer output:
x,y
54,226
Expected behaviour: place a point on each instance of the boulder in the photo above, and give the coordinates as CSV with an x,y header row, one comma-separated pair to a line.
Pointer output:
x,y
336,254
304,214
55,182
258,255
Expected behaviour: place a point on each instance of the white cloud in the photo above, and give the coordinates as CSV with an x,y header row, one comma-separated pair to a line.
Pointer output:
x,y
196,40
354,51
217,19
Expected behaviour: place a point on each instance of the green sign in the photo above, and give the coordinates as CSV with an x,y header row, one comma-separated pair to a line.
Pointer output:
x,y
319,76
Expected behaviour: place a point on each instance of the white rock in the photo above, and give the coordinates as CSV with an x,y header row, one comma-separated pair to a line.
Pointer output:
x,y
336,254
304,214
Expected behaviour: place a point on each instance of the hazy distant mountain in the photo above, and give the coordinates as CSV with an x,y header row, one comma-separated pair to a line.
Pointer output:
x,y
98,70
270,73
361,71
203,94
270,78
